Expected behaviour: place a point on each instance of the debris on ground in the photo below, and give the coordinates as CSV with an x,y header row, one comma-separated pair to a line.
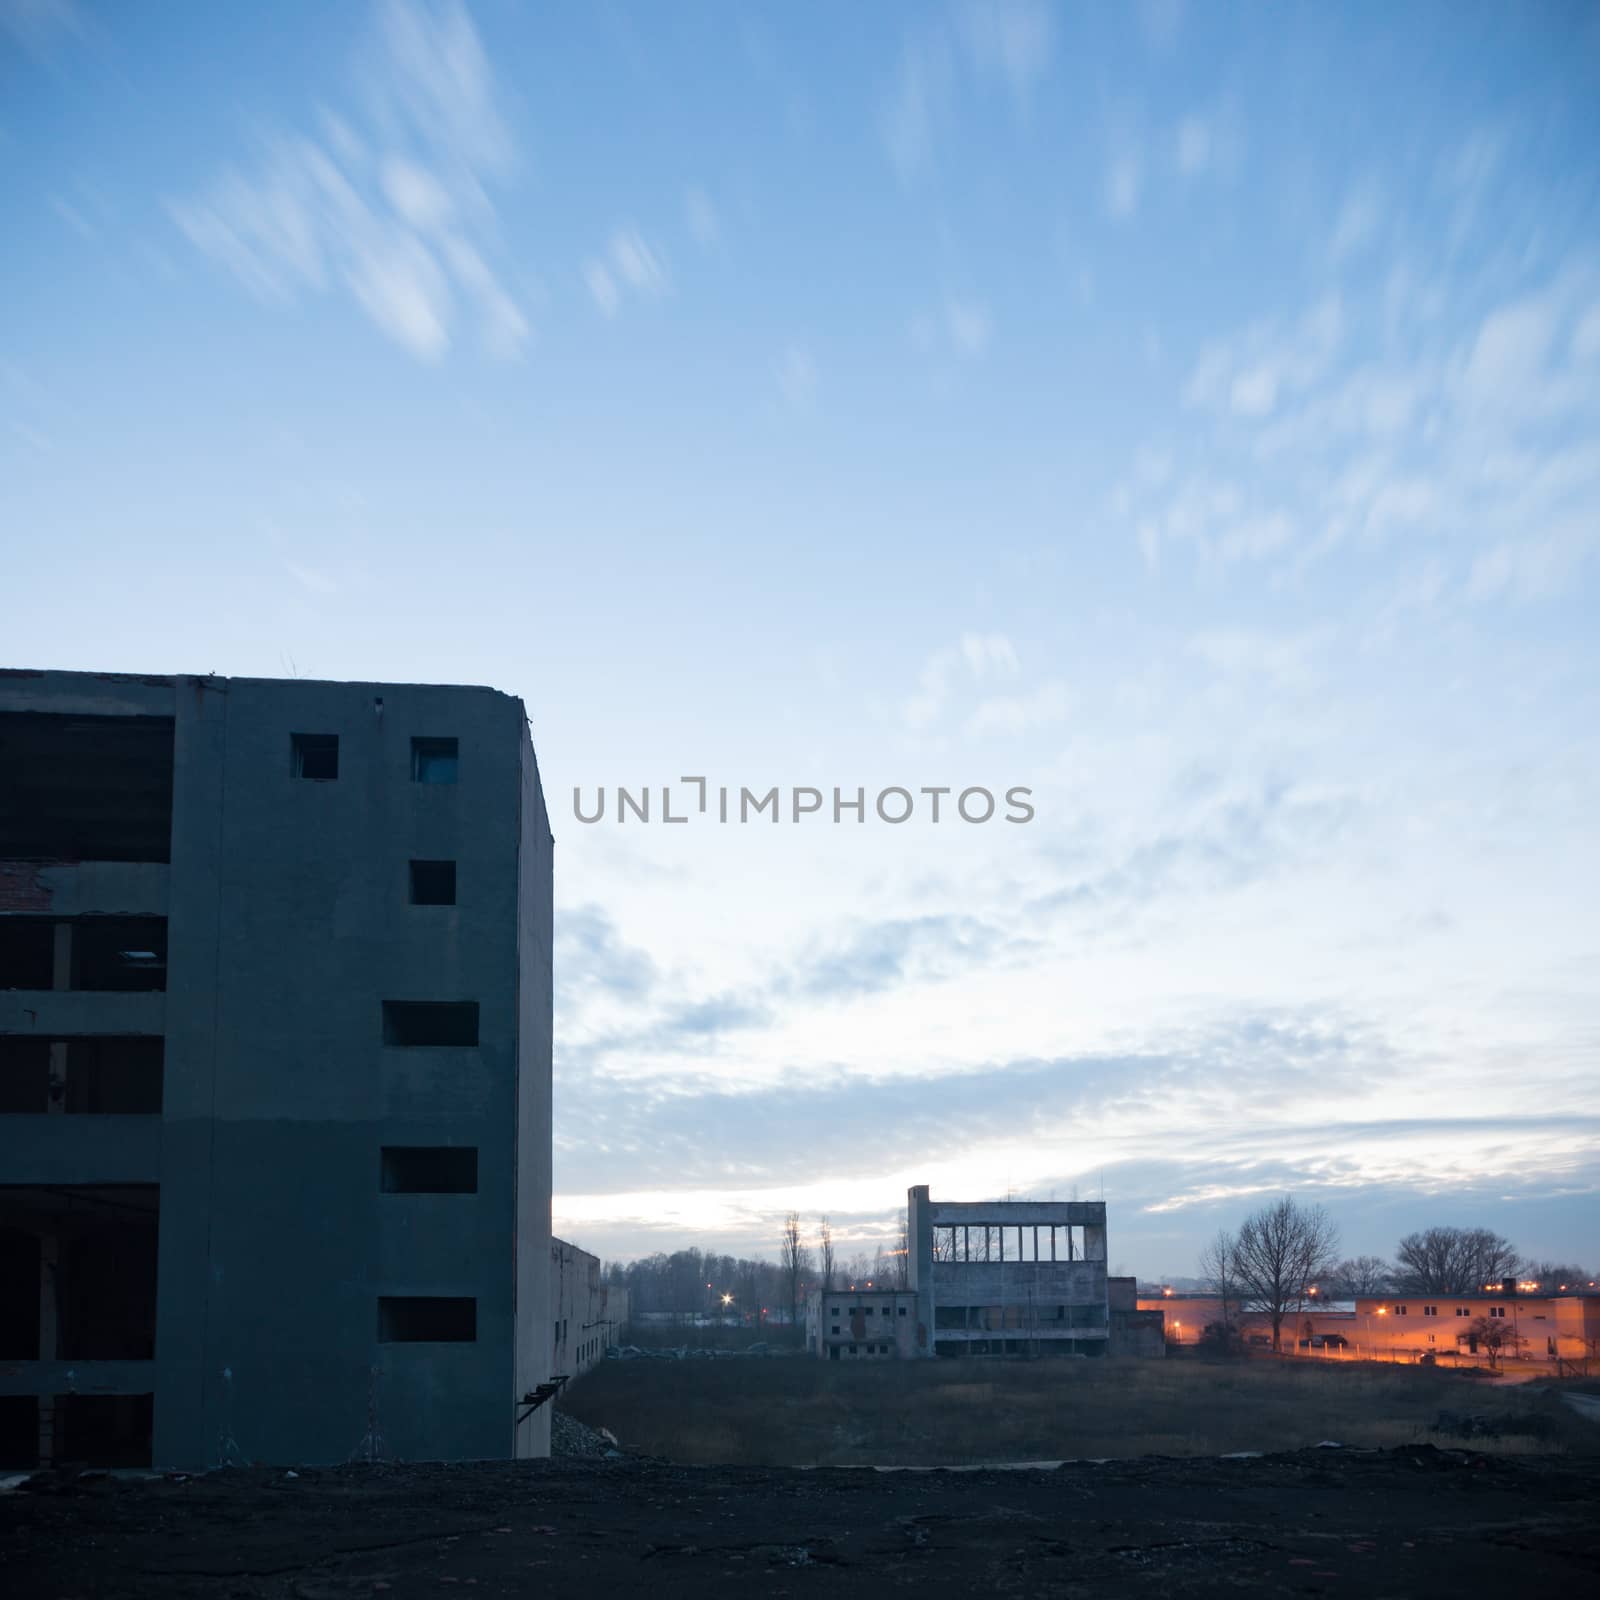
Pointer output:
x,y
569,1437
1417,1520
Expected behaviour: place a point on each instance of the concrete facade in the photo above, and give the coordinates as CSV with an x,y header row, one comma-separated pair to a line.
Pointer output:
x,y
326,1232
1008,1277
587,1313
1134,1331
862,1324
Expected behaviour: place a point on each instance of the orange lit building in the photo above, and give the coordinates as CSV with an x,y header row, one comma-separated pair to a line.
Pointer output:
x,y
1516,1325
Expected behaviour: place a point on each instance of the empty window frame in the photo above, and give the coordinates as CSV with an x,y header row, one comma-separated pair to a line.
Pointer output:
x,y
427,1319
111,1075
429,1169
433,883
24,1075
85,788
314,756
105,1430
19,1430
19,1297
115,1075
430,1022
27,953
94,1246
119,953
434,760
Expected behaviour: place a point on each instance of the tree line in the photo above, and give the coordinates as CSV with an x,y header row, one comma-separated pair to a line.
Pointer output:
x,y
693,1281
1284,1257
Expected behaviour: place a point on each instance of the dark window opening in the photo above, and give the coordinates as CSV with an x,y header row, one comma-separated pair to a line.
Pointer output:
x,y
19,1295
85,788
104,1430
430,1022
24,1074
429,1169
106,1293
427,1319
122,953
117,953
315,755
87,1265
27,953
434,760
114,1074
433,883
19,1431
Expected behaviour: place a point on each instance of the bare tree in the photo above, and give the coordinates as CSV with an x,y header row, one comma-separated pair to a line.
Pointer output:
x,y
1453,1261
1360,1275
902,1254
825,1251
858,1270
794,1259
1496,1336
1280,1251
1554,1277
1221,1276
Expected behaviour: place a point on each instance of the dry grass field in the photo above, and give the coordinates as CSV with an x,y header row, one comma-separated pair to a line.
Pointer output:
x,y
800,1412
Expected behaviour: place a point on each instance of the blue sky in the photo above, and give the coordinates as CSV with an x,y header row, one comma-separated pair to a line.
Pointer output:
x,y
1191,413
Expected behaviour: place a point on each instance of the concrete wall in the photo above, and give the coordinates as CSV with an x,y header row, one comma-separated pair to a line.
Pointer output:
x,y
1011,1298
587,1314
290,924
535,1038
857,1324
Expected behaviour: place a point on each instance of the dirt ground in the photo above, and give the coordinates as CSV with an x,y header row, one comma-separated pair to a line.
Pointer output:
x,y
1412,1521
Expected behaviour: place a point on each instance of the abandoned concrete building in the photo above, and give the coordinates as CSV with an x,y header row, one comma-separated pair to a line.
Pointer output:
x,y
275,1034
994,1277
862,1322
588,1313
998,1277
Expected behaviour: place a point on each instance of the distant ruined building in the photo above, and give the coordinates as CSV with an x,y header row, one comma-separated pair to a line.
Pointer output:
x,y
991,1278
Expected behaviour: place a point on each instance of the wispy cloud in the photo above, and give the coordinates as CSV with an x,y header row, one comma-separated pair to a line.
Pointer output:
x,y
984,656
40,26
1012,41
312,579
796,373
395,215
1194,145
1019,714
1123,178
1015,38
705,226
969,325
1249,374
630,265
917,102
1357,223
